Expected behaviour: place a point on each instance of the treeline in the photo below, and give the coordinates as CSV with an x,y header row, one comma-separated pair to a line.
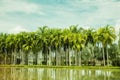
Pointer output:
x,y
53,46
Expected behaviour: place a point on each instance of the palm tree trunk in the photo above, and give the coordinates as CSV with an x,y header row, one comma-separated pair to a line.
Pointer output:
x,y
26,58
93,56
59,56
44,53
56,58
76,55
79,58
103,57
13,58
22,57
36,59
66,56
49,62
94,59
107,56
5,58
47,57
69,57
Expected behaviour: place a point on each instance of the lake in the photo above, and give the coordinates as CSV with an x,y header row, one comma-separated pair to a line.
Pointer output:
x,y
58,74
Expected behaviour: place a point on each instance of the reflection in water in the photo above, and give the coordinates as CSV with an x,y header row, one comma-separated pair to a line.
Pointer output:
x,y
57,74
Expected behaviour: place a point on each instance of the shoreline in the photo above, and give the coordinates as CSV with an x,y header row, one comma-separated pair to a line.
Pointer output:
x,y
68,67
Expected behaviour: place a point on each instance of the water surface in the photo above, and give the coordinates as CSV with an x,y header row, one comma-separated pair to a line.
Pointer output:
x,y
58,74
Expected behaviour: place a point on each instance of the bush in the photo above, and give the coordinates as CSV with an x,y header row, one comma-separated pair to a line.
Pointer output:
x,y
116,62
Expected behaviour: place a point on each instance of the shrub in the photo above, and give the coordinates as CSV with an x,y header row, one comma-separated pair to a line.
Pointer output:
x,y
116,62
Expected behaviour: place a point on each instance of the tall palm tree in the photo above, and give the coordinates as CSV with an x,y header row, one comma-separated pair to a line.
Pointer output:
x,y
10,47
36,41
27,45
92,38
74,28
63,42
3,49
110,38
45,33
20,41
67,42
106,36
56,44
79,44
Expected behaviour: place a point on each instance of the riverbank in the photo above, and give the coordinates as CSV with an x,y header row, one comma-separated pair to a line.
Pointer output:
x,y
68,67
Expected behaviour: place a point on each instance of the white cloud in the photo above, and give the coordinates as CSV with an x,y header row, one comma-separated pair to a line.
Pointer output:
x,y
117,27
17,29
93,13
6,25
97,11
9,17
19,6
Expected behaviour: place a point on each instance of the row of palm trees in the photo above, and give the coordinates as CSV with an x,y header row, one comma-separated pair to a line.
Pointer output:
x,y
54,46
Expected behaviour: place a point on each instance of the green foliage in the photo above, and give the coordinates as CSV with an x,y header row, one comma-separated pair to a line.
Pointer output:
x,y
73,38
116,62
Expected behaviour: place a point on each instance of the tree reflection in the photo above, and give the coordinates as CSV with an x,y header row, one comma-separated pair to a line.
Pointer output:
x,y
57,74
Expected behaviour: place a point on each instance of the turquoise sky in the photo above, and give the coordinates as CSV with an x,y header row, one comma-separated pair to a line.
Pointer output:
x,y
28,15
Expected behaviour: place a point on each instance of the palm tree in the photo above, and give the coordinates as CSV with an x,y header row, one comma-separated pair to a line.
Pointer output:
x,y
3,45
10,47
20,41
79,43
56,38
63,42
106,36
45,33
67,42
92,38
36,42
110,38
27,46
74,28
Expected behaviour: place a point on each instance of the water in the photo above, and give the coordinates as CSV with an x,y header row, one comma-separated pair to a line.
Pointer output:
x,y
58,74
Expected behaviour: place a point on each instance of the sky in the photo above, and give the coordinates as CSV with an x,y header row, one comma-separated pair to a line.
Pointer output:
x,y
28,15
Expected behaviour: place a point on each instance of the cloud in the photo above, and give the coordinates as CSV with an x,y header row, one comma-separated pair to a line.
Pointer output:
x,y
58,13
18,12
10,6
117,29
117,26
96,12
17,29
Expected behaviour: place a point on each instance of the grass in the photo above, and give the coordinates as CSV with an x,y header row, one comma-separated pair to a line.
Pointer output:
x,y
68,67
